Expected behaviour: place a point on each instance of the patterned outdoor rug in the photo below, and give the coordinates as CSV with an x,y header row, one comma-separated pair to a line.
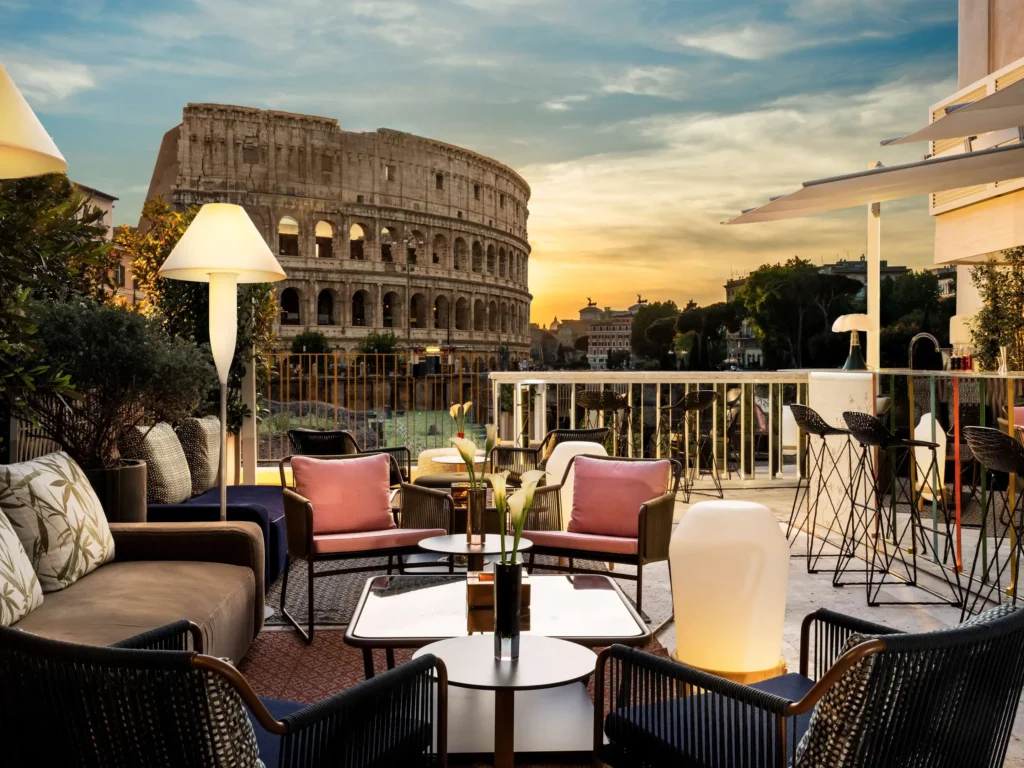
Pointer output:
x,y
335,597
280,666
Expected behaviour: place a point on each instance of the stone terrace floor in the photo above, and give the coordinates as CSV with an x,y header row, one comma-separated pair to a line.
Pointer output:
x,y
807,593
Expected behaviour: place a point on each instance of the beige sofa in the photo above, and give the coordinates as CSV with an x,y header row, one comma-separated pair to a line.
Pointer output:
x,y
208,573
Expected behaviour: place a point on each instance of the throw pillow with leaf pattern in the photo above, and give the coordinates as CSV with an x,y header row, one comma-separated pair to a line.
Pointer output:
x,y
20,592
57,517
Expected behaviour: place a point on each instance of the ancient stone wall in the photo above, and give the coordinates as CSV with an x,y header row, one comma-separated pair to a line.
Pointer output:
x,y
377,231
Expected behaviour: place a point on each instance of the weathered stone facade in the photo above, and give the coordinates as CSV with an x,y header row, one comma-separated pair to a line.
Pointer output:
x,y
377,231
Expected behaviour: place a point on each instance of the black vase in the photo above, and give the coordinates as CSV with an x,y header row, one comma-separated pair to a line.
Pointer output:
x,y
508,599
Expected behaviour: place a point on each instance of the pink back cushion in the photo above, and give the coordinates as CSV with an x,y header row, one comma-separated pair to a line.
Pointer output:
x,y
1018,416
348,495
606,495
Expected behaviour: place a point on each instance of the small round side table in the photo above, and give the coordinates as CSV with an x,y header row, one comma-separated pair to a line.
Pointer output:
x,y
456,544
458,465
544,662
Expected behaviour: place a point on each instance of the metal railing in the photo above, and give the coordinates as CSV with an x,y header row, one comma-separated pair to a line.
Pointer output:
x,y
382,399
751,441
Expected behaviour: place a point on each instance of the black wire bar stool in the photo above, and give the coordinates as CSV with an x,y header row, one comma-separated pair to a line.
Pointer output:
x,y
878,529
824,465
702,461
996,451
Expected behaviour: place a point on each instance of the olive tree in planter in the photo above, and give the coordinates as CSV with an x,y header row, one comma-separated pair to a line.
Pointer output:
x,y
1000,321
125,371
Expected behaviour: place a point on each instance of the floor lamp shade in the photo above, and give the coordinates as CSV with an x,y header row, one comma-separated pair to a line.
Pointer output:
x,y
730,571
26,149
222,247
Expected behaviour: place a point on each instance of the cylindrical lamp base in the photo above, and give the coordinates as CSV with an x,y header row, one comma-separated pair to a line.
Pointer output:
x,y
743,678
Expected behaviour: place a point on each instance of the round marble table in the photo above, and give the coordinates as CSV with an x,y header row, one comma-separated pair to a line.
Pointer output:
x,y
456,544
544,662
456,462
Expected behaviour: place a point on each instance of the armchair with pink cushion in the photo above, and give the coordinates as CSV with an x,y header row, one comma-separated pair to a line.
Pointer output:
x,y
621,513
340,509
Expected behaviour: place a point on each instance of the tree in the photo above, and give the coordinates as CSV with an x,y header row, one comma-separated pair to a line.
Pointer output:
x,y
790,303
701,332
383,343
311,342
183,307
619,360
582,344
126,370
912,304
52,248
644,346
1000,321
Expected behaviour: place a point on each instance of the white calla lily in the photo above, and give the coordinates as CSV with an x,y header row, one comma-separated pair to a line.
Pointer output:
x,y
517,508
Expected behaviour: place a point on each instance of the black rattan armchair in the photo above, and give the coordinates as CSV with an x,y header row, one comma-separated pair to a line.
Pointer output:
x,y
154,700
869,698
423,512
341,442
517,460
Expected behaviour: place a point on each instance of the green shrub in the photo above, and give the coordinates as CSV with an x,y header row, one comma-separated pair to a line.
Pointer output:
x,y
311,342
125,370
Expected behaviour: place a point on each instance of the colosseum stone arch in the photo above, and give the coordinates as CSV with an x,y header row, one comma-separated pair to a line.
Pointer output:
x,y
368,238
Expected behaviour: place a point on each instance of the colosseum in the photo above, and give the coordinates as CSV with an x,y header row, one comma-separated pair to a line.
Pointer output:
x,y
377,231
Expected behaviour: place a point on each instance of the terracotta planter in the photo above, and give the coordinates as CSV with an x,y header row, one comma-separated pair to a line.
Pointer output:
x,y
122,491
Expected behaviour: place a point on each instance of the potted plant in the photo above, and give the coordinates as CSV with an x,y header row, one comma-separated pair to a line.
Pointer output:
x,y
508,572
476,499
125,371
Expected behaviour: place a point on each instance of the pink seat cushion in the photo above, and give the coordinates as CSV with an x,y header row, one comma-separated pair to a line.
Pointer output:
x,y
348,495
618,545
367,540
606,495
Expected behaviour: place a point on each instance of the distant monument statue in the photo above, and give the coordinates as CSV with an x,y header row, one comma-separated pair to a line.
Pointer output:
x,y
591,303
640,300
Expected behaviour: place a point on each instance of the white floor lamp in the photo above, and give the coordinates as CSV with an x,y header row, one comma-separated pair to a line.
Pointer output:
x,y
26,149
222,247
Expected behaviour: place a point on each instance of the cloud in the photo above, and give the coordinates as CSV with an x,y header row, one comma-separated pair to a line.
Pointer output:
x,y
49,81
646,81
565,103
651,221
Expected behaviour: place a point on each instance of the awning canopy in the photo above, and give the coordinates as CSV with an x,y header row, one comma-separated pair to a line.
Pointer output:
x,y
1002,109
892,183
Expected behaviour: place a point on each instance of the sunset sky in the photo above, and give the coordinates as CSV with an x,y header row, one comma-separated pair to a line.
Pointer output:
x,y
639,124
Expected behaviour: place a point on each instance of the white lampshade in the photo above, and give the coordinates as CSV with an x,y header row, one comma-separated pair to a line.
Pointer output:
x,y
730,571
845,323
222,239
26,149
960,329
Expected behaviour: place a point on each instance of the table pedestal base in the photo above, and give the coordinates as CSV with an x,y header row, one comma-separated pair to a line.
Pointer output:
x,y
550,720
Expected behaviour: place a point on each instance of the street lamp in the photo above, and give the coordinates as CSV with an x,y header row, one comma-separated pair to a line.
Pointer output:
x,y
222,247
407,241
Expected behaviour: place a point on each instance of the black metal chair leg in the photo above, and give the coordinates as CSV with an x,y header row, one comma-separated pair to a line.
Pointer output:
x,y
307,636
639,589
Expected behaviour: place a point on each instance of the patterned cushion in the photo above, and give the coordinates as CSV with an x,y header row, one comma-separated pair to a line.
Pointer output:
x,y
19,587
233,739
838,722
57,517
200,441
167,475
